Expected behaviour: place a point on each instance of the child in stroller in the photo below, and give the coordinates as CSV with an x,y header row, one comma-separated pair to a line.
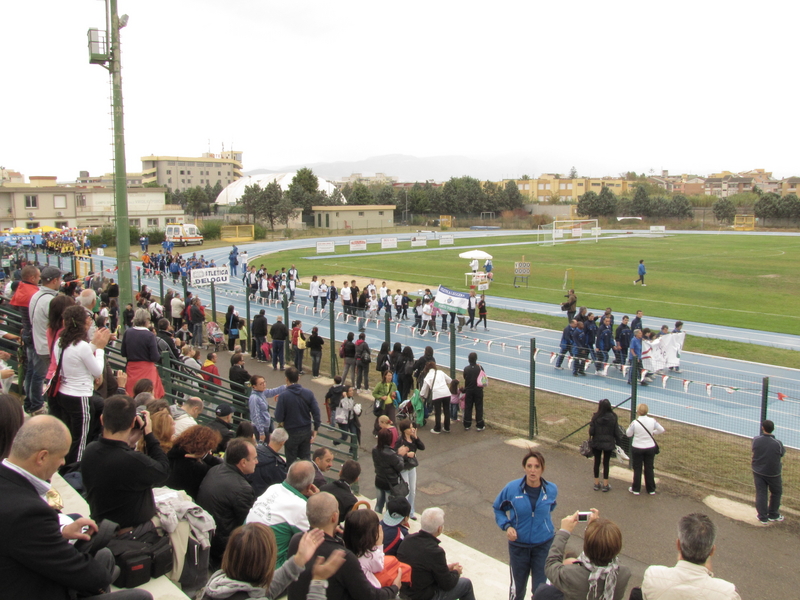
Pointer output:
x,y
215,336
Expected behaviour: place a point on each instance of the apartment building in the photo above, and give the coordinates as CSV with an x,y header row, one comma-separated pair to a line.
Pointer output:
x,y
550,185
180,173
43,202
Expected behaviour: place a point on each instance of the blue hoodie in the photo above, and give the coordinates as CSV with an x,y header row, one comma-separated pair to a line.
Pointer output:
x,y
512,508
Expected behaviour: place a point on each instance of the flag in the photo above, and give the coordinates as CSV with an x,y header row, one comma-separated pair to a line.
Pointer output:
x,y
708,389
451,300
781,397
552,357
488,345
686,385
664,381
535,353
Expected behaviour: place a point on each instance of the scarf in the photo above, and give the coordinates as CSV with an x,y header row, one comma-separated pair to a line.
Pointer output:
x,y
596,574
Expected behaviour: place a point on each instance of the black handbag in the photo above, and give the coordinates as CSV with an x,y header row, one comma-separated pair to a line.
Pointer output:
x,y
651,437
399,489
377,407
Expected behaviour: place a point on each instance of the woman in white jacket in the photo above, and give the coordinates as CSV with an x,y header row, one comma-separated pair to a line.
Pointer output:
x,y
81,362
643,448
436,387
313,291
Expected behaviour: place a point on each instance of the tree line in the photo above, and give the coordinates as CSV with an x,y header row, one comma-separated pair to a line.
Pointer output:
x,y
768,206
641,204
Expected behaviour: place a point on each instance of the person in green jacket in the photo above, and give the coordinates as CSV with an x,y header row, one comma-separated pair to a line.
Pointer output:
x,y
386,390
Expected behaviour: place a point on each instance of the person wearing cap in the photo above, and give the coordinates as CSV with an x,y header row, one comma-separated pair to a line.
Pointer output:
x,y
223,423
39,311
395,524
28,287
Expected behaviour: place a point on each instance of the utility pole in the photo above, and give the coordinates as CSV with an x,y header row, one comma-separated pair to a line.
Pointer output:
x,y
110,58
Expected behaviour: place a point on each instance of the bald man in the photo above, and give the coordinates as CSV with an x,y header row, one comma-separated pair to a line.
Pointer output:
x,y
36,558
322,511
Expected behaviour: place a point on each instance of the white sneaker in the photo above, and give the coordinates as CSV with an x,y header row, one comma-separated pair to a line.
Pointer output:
x,y
634,283
644,285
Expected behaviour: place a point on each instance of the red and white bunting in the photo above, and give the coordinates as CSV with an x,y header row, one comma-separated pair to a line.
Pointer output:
x,y
708,389
643,374
569,362
605,368
535,353
686,383
397,328
488,345
553,357
664,380
519,349
475,342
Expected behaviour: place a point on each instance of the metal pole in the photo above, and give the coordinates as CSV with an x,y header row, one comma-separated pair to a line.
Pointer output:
x,y
764,399
161,285
59,263
249,333
120,172
138,278
35,255
186,288
285,303
452,350
334,362
387,321
213,303
532,423
634,385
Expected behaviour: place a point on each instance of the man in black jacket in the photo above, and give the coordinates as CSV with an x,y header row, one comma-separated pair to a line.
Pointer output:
x,y
297,411
473,395
223,424
279,333
119,481
271,467
349,582
767,454
36,558
225,493
259,329
340,489
166,337
431,576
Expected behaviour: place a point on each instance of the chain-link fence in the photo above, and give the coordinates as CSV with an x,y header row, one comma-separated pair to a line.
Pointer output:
x,y
711,408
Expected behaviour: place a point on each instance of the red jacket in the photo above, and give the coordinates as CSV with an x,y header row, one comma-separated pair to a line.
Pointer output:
x,y
211,368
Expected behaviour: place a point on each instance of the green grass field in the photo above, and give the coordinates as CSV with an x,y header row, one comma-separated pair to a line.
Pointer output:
x,y
741,281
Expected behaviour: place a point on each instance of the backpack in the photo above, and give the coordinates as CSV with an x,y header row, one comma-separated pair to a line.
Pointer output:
x,y
341,350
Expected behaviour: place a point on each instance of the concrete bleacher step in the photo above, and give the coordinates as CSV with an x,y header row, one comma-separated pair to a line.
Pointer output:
x,y
162,588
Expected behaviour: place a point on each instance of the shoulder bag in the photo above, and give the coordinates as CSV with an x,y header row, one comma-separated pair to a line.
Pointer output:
x,y
55,380
586,449
651,436
232,331
483,380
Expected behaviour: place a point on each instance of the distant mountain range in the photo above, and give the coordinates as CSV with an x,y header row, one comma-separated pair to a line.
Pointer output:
x,y
413,168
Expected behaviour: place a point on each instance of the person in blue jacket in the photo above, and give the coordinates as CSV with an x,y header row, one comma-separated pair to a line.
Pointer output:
x,y
566,343
522,509
642,272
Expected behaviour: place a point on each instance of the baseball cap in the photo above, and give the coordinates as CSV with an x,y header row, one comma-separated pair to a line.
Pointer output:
x,y
397,509
223,410
49,273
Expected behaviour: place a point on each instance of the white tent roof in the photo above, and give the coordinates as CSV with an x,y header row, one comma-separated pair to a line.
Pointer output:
x,y
234,191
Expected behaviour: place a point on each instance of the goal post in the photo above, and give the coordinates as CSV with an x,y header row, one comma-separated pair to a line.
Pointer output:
x,y
744,222
563,230
237,233
569,279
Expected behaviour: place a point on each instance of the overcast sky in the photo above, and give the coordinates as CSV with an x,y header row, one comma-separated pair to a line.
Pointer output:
x,y
693,87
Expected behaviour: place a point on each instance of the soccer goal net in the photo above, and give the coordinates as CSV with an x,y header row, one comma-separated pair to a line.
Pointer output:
x,y
572,230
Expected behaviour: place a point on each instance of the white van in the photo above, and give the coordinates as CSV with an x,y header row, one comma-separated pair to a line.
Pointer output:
x,y
183,234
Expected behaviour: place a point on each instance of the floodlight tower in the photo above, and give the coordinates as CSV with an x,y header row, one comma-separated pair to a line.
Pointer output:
x,y
109,57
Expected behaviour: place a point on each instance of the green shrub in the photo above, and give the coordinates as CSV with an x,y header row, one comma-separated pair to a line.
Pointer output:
x,y
259,232
212,230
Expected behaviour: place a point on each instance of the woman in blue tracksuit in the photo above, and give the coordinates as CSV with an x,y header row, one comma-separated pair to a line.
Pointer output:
x,y
522,509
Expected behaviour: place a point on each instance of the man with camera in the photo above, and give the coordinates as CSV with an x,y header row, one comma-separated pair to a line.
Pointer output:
x,y
37,559
119,480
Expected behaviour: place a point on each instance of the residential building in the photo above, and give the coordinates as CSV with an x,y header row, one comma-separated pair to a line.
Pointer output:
x,y
353,217
9,176
180,173
550,185
790,185
727,185
43,202
109,179
359,178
